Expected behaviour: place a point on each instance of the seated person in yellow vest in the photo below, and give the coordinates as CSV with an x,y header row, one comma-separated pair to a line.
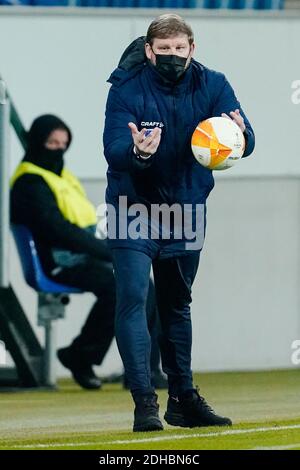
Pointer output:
x,y
51,202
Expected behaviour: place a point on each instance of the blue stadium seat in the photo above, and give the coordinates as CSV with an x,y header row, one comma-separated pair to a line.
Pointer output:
x,y
175,4
267,4
52,298
31,265
148,4
50,3
211,4
94,3
16,2
253,4
122,3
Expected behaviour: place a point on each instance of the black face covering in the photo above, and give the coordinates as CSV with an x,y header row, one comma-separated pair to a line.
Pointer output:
x,y
171,67
52,160
37,153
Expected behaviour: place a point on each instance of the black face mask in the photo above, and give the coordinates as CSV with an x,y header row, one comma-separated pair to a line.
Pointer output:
x,y
52,160
171,67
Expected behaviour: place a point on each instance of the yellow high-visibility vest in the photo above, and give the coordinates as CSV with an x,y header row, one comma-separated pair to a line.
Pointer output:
x,y
68,192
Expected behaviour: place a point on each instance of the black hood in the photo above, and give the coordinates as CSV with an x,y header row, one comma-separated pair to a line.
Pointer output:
x,y
37,135
132,61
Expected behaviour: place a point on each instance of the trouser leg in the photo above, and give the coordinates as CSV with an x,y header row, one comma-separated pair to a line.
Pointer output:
x,y
173,281
132,270
154,328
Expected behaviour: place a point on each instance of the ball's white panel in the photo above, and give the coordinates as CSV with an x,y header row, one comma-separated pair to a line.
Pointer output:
x,y
229,134
201,154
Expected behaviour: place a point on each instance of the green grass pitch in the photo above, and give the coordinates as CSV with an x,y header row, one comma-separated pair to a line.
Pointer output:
x,y
265,408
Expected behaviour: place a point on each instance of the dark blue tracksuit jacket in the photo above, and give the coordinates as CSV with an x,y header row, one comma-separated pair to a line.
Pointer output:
x,y
139,94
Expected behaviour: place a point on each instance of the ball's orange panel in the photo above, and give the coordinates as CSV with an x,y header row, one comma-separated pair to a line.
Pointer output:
x,y
216,159
200,140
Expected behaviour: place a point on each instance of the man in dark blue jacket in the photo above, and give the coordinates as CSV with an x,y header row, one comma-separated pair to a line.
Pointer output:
x,y
158,96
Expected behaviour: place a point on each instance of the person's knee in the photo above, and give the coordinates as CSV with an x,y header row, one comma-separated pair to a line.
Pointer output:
x,y
133,294
131,298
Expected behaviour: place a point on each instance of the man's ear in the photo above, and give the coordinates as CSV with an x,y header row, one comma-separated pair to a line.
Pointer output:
x,y
192,49
148,51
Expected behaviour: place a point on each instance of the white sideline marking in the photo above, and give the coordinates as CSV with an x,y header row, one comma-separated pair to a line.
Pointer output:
x,y
285,447
170,437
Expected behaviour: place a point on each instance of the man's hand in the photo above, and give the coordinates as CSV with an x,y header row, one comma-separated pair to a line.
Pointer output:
x,y
145,146
237,118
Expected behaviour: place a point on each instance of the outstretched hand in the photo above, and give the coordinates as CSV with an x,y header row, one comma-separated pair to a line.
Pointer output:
x,y
145,146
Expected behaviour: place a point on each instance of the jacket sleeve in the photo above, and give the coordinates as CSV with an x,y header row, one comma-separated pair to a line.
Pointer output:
x,y
32,197
118,144
225,102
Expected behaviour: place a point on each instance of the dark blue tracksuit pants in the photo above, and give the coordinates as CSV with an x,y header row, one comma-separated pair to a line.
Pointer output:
x,y
173,280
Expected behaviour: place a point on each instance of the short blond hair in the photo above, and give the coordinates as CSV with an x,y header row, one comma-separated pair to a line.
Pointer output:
x,y
168,25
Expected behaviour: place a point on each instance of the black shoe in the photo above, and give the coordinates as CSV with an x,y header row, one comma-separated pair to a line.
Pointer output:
x,y
146,416
159,380
191,410
82,374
